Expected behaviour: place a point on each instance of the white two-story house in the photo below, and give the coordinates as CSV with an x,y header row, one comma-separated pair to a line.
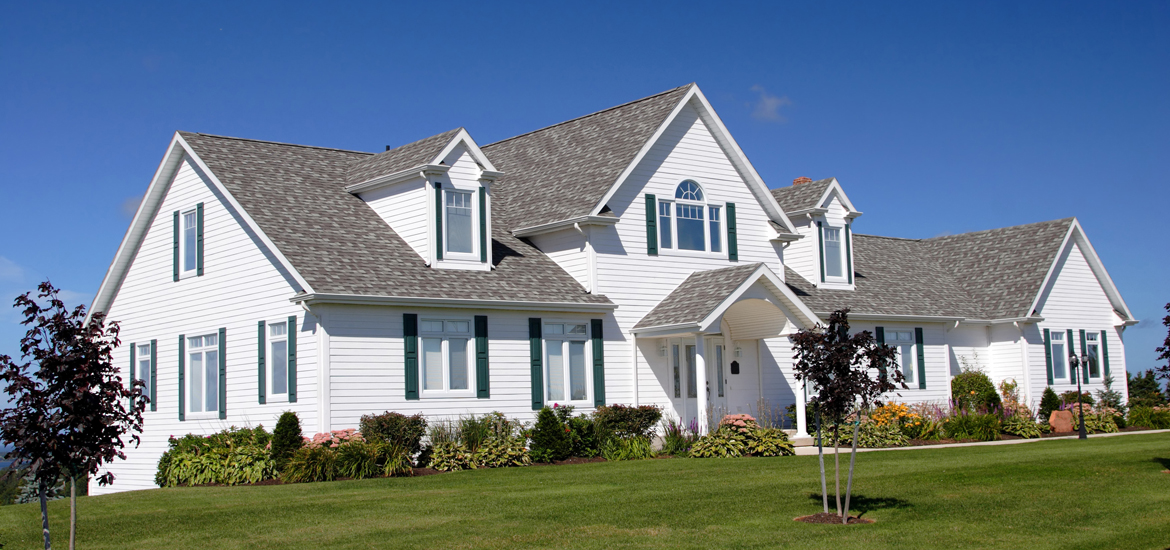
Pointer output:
x,y
629,256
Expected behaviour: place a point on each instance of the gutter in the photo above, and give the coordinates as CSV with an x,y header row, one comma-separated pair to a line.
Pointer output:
x,y
309,300
564,224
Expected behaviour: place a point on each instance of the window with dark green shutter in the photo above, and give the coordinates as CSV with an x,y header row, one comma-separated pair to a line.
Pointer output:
x,y
536,362
410,348
1085,367
821,249
175,264
182,378
484,249
732,238
651,225
222,373
153,375
438,220
261,362
598,338
1048,354
293,329
130,382
848,253
481,357
1105,352
199,240
921,345
880,335
1072,350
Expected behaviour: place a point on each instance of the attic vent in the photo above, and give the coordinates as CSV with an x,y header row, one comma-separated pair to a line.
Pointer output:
x,y
801,180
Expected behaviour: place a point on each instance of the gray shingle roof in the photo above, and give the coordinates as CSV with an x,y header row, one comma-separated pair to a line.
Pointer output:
x,y
697,296
799,197
993,274
398,159
570,166
341,246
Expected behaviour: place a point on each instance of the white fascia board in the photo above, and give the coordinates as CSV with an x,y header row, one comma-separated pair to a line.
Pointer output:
x,y
835,186
778,288
900,318
727,143
311,299
666,330
787,237
814,211
1077,235
1005,321
139,225
564,224
465,138
396,178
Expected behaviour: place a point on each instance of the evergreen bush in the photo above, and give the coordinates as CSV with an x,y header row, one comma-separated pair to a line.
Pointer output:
x,y
973,391
286,439
1049,402
625,422
1070,397
549,438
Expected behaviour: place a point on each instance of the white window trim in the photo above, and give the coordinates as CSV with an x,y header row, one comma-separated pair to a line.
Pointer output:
x,y
897,344
269,376
183,271
448,254
445,353
190,414
842,279
704,205
1059,378
562,340
1097,342
140,359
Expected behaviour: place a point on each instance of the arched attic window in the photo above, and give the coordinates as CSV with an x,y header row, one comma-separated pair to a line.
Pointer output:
x,y
688,222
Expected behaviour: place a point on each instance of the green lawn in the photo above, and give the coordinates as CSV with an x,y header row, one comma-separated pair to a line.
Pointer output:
x,y
1102,493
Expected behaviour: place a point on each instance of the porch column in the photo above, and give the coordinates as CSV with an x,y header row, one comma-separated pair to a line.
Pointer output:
x,y
701,382
801,416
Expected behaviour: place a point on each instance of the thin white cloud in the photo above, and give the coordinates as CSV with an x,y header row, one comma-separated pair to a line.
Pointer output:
x,y
768,106
72,298
130,206
10,271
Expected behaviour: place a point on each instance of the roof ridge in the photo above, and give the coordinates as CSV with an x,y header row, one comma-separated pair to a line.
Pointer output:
x,y
586,115
1070,218
890,238
279,143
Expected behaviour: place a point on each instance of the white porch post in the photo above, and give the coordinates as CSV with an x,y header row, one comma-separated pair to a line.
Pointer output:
x,y
701,381
801,416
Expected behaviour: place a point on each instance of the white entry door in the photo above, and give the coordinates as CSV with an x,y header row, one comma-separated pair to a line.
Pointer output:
x,y
717,378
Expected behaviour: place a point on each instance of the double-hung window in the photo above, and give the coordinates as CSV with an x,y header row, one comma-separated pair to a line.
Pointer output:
x,y
203,383
834,253
144,367
565,361
278,358
1058,356
688,223
903,342
1092,349
446,357
460,236
190,242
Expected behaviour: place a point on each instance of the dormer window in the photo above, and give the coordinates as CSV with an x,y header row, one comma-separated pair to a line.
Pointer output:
x,y
688,222
833,253
459,228
836,256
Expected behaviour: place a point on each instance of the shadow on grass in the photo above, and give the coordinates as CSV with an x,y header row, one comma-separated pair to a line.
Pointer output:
x,y
861,504
1165,462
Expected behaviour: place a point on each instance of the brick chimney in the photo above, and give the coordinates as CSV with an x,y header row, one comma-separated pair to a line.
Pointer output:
x,y
801,180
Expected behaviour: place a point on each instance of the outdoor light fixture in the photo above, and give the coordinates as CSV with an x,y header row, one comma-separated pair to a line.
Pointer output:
x,y
662,350
1075,363
738,351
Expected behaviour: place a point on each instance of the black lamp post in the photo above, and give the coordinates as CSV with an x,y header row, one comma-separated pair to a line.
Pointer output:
x,y
1076,363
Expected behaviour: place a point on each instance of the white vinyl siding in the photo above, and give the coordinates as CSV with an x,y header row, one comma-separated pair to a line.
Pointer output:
x,y
404,208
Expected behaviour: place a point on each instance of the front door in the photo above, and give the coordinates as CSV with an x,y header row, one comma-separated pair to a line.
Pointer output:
x,y
717,379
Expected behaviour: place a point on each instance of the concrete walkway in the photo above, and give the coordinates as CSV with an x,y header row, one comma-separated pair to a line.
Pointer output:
x,y
806,451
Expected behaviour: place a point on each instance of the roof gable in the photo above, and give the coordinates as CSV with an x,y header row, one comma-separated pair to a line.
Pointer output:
x,y
423,151
800,197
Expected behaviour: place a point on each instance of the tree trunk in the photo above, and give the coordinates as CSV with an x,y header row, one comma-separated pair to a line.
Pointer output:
x,y
821,456
73,512
45,515
852,459
837,463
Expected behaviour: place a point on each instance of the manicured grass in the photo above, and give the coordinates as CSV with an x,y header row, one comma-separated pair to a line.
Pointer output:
x,y
1100,493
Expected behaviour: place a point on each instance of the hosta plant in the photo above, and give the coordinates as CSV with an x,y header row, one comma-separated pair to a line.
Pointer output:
x,y
1022,426
501,453
450,457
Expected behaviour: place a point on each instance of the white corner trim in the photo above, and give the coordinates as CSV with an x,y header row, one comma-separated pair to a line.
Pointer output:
x,y
465,138
564,224
415,302
396,178
723,137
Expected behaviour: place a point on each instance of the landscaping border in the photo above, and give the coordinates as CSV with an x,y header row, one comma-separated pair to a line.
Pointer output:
x,y
812,450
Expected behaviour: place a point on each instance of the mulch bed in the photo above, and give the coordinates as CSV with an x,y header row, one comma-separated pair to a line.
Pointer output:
x,y
831,519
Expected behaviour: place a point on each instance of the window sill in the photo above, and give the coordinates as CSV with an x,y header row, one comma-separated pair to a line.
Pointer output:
x,y
692,254
464,264
446,395
196,416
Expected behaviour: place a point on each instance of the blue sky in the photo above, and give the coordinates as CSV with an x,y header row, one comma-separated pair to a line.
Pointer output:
x,y
936,117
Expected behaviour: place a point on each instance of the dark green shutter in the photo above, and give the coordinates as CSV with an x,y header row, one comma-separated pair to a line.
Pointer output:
x,y
175,255
261,363
536,360
132,377
292,358
182,377
438,220
1085,366
1105,353
880,334
848,255
651,225
1072,374
410,347
921,357
1048,354
595,328
732,242
153,374
199,240
222,373
481,357
821,249
483,232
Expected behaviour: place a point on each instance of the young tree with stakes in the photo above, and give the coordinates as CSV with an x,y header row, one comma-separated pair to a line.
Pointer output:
x,y
69,407
848,373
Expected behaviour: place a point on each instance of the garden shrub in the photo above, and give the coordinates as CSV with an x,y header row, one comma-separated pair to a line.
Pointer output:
x,y
449,456
1096,421
311,463
583,437
501,453
627,448
286,438
973,391
740,435
550,438
395,429
396,460
1049,402
874,435
1021,426
624,421
722,443
230,457
980,427
1155,418
924,430
768,442
1070,397
677,438
357,459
